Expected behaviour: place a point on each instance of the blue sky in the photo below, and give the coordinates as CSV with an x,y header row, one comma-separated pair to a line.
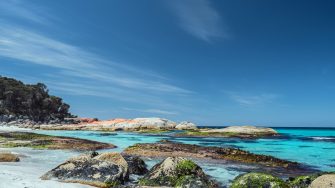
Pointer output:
x,y
269,63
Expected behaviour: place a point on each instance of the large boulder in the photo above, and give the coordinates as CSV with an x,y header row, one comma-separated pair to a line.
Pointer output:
x,y
105,170
9,157
258,180
116,158
135,165
324,181
186,125
177,172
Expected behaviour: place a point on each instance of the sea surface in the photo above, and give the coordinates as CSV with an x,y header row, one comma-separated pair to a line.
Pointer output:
x,y
310,146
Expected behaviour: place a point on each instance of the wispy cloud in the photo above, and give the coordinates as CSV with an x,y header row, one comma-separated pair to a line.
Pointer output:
x,y
69,60
25,11
251,100
199,18
152,111
74,70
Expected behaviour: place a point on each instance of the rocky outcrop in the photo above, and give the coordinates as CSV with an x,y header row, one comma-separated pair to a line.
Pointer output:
x,y
40,141
116,158
173,149
135,165
233,131
100,171
9,157
186,125
258,180
324,181
136,124
177,172
29,103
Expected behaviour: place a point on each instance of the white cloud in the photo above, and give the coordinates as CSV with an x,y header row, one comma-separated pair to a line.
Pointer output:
x,y
72,61
251,100
199,18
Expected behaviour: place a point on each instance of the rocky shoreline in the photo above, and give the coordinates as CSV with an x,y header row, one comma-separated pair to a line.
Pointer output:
x,y
142,125
39,141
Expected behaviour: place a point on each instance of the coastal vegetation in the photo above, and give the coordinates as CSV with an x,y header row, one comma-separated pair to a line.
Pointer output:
x,y
30,102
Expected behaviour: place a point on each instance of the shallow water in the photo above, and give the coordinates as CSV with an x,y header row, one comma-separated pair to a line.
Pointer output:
x,y
313,147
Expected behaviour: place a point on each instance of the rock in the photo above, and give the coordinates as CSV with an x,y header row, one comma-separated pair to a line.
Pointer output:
x,y
116,158
40,141
233,131
9,157
136,124
245,130
302,181
177,172
135,165
186,125
100,171
324,181
175,149
258,180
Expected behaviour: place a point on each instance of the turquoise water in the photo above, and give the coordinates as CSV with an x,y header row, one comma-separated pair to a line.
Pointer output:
x,y
313,147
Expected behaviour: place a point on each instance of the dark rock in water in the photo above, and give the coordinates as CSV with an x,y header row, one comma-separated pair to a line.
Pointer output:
x,y
258,180
135,165
177,172
100,171
167,149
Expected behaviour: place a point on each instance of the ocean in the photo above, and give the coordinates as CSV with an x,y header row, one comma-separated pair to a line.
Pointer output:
x,y
314,147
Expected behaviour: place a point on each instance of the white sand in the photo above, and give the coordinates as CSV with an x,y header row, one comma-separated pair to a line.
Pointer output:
x,y
33,164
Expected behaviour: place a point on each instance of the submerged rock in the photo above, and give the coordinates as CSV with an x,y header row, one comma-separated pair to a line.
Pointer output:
x,y
169,149
324,181
177,172
258,180
105,170
9,157
186,125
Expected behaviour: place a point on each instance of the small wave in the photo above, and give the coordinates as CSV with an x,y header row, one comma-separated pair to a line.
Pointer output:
x,y
322,138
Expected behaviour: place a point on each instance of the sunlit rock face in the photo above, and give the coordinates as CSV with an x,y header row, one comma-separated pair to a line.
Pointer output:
x,y
186,125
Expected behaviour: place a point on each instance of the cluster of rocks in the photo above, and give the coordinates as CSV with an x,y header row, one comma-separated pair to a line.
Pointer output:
x,y
136,124
27,122
114,170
